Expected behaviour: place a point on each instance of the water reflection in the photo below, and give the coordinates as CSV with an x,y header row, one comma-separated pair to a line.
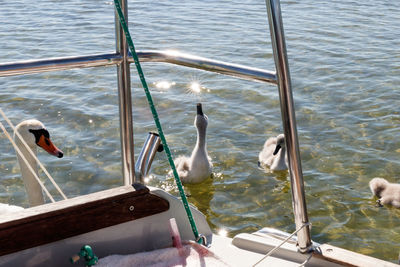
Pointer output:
x,y
195,87
281,176
222,232
164,85
201,195
284,181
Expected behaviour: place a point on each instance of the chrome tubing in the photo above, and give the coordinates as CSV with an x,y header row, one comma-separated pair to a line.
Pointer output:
x,y
289,124
125,100
177,58
191,61
151,146
54,64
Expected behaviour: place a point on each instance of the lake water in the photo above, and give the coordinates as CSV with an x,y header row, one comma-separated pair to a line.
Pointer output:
x,y
345,66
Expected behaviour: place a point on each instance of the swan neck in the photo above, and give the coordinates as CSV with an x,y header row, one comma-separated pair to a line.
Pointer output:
x,y
32,187
201,138
282,155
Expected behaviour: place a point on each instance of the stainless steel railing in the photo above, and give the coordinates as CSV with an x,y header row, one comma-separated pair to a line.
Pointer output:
x,y
151,146
125,100
289,124
172,57
120,58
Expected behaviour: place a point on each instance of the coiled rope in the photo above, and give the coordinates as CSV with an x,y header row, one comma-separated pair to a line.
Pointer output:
x,y
156,120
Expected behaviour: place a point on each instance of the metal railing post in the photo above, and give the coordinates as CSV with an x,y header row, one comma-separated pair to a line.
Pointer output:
x,y
125,101
289,124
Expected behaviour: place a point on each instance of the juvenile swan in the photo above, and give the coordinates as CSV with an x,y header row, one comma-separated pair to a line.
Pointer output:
x,y
198,167
388,193
274,154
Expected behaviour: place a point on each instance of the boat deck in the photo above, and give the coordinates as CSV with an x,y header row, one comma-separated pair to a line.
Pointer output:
x,y
121,237
249,249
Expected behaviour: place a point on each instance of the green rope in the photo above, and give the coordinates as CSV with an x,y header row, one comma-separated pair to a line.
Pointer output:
x,y
155,116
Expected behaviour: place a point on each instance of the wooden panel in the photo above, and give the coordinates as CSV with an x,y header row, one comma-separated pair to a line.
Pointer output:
x,y
51,222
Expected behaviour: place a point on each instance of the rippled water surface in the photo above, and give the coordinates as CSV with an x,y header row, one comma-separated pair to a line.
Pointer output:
x,y
345,66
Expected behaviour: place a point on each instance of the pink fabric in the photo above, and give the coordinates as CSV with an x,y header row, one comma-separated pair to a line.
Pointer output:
x,y
192,254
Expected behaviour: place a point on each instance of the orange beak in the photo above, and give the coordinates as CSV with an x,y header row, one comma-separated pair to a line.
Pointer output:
x,y
47,145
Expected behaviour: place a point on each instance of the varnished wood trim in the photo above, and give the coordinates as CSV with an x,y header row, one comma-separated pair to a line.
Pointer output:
x,y
56,221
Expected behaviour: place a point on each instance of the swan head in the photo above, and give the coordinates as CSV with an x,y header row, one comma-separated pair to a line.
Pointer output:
x,y
34,133
377,185
201,120
280,143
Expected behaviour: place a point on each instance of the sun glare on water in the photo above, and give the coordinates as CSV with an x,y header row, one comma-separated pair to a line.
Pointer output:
x,y
222,232
164,85
195,87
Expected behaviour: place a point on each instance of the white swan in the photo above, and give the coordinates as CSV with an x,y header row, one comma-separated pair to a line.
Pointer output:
x,y
198,167
388,193
34,134
274,154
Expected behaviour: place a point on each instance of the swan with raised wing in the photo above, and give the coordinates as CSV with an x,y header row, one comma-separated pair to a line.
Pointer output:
x,y
274,154
198,167
34,134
